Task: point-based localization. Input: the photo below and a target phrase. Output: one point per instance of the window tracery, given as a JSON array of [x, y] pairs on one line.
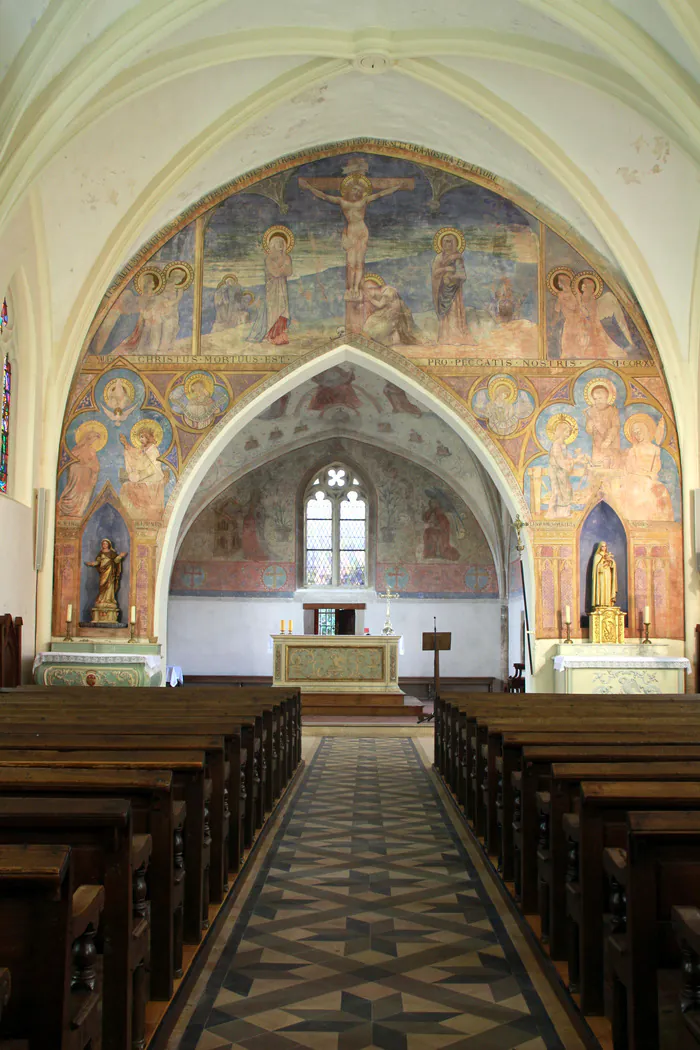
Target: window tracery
[[335, 529]]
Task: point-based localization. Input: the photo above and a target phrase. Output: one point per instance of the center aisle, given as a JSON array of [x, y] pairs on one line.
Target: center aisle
[[369, 925]]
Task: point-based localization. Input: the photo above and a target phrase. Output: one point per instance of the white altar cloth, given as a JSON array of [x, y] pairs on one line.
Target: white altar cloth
[[53, 668], [604, 673]]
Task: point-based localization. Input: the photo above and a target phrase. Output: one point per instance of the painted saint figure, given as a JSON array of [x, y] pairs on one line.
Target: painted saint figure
[[334, 388], [272, 322], [448, 279], [231, 303], [391, 321], [562, 430], [355, 195], [143, 478], [603, 578], [109, 565], [502, 405], [644, 496], [603, 422], [566, 309], [199, 400], [90, 437], [436, 535], [398, 399]]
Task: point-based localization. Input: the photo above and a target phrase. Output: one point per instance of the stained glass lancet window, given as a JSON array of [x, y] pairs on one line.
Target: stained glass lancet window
[[335, 522], [5, 422]]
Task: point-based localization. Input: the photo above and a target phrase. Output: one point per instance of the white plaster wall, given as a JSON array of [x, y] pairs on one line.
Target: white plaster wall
[[515, 654], [18, 580], [230, 635]]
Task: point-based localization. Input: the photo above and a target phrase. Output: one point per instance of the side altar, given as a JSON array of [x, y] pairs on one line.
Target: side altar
[[607, 663], [82, 662], [337, 663], [626, 668]]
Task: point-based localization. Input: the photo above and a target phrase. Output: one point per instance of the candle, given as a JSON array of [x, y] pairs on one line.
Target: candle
[[69, 613], [647, 617], [133, 614], [567, 614], [281, 626], [289, 626]]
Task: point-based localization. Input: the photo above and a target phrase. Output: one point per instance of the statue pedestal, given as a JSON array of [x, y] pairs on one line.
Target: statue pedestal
[[606, 626]]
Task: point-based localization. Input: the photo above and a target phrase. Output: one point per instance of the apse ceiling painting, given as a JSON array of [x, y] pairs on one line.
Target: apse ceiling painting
[[415, 257]]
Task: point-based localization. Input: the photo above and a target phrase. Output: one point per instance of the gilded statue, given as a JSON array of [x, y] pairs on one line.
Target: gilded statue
[[606, 621], [604, 578], [109, 566]]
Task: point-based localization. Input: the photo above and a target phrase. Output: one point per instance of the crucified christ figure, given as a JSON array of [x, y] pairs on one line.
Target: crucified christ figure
[[355, 195]]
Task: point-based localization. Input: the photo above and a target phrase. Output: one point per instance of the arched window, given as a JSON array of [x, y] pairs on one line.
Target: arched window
[[335, 529], [5, 422]]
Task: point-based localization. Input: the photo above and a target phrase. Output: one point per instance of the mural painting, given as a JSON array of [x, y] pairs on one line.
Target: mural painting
[[456, 278], [246, 541]]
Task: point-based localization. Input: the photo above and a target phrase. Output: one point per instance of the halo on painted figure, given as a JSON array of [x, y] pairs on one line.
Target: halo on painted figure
[[451, 231]]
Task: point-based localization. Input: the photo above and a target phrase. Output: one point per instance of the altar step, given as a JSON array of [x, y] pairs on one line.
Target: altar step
[[369, 705]]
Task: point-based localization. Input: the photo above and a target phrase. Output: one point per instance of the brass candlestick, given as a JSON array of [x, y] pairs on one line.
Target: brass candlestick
[[66, 636], [646, 640], [568, 640], [132, 629]]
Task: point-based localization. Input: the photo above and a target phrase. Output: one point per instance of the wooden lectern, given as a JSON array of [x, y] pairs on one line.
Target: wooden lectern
[[434, 641]]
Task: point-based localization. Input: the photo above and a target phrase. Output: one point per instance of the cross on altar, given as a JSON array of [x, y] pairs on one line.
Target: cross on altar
[[390, 597], [355, 192]]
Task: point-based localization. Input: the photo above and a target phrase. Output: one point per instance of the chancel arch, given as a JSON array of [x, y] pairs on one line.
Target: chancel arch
[[473, 305]]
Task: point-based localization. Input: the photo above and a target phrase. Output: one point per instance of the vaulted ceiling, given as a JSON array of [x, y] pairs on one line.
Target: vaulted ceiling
[[114, 116]]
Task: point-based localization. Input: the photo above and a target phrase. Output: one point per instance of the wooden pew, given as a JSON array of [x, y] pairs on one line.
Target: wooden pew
[[242, 743], [56, 997], [660, 868], [561, 798], [686, 927], [189, 784], [104, 851], [155, 812], [525, 763], [601, 822], [75, 738]]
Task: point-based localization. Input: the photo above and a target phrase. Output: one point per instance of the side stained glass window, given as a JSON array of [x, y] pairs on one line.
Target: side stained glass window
[[5, 422], [335, 522]]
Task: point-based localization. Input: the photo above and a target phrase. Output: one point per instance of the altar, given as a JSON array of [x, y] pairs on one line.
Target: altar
[[627, 668], [339, 663]]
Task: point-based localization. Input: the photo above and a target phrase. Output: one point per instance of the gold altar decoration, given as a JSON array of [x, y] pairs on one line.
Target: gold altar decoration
[[341, 663], [606, 621]]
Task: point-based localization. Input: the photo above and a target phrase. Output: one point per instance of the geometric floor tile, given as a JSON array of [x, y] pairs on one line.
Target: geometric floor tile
[[368, 926]]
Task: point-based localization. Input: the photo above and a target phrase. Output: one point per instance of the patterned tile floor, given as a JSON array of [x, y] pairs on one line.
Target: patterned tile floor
[[368, 925]]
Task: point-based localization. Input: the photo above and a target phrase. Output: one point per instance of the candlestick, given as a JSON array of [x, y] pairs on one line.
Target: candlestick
[[281, 626], [289, 626], [66, 636], [646, 640], [132, 631], [568, 640], [567, 614], [69, 613]]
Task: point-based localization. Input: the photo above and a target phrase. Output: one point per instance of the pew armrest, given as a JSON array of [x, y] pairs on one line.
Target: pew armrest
[[615, 864], [686, 926], [544, 801], [141, 846], [88, 902], [516, 779], [571, 825]]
